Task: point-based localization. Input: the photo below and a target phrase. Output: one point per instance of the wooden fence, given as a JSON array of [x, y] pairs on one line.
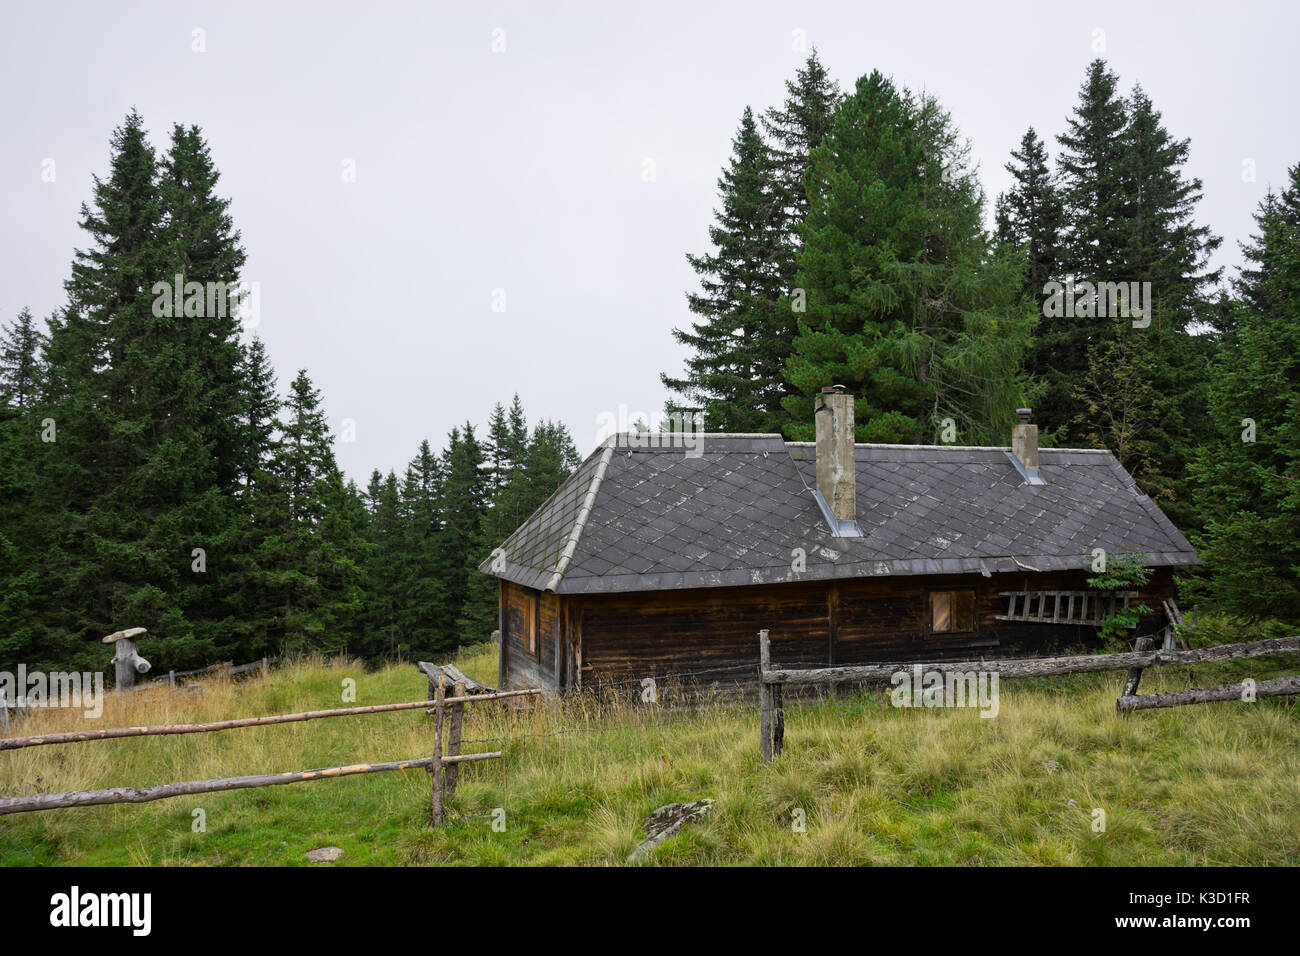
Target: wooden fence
[[773, 680], [226, 669], [443, 767]]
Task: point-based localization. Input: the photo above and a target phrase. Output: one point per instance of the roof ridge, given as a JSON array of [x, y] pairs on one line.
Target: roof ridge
[[865, 444], [583, 513]]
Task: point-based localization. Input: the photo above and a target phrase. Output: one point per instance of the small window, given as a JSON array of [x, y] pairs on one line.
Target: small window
[[952, 612], [530, 625]]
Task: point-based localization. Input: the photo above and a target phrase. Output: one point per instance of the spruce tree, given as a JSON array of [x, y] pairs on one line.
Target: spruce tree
[[425, 613], [308, 553], [907, 303], [1152, 240], [21, 521], [1030, 214], [463, 507], [795, 129], [125, 465], [21, 345], [1245, 478], [1090, 166], [739, 346]]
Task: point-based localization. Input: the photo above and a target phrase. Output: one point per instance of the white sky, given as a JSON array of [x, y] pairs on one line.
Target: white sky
[[522, 170]]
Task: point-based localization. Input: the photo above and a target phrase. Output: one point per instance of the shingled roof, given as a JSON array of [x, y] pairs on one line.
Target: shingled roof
[[643, 515]]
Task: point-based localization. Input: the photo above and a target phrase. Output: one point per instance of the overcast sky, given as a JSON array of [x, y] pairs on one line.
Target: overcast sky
[[523, 170]]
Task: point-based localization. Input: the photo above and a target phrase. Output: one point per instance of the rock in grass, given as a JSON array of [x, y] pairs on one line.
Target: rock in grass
[[668, 821], [324, 854]]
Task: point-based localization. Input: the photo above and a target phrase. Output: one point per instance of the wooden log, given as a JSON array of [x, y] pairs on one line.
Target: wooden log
[[453, 741], [1042, 666], [1134, 675], [1206, 695], [435, 770], [89, 798], [127, 662], [111, 733], [764, 696]]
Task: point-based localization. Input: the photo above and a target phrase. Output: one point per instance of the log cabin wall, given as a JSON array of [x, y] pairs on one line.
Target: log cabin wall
[[529, 660], [632, 635]]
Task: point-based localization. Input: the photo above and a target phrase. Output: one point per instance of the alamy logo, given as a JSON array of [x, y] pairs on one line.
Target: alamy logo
[[656, 430], [213, 300], [1101, 300], [73, 909], [55, 689], [921, 688]]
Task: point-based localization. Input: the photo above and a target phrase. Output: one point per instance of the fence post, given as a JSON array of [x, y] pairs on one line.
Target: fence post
[[778, 719], [764, 696], [266, 666], [435, 768], [1134, 675], [4, 714], [453, 741]]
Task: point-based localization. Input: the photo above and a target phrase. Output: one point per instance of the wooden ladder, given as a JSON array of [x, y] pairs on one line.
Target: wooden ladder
[[1066, 607]]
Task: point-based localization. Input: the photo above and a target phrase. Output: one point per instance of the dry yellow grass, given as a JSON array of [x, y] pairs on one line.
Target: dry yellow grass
[[860, 782]]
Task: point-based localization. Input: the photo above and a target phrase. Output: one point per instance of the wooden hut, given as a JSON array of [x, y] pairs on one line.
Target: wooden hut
[[665, 554]]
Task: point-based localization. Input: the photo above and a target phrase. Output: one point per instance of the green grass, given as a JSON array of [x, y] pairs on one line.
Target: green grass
[[1208, 784]]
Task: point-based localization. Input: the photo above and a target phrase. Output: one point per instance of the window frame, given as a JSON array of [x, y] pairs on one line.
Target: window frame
[[531, 637], [952, 632]]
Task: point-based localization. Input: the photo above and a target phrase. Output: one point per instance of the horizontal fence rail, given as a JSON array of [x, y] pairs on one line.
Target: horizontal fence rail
[[1207, 695], [442, 767], [112, 733], [1040, 666], [772, 681], [90, 798]]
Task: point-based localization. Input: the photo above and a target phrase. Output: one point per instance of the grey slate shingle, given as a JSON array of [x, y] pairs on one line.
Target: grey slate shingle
[[733, 516]]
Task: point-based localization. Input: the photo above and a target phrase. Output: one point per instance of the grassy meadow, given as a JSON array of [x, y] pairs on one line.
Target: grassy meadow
[[1208, 784]]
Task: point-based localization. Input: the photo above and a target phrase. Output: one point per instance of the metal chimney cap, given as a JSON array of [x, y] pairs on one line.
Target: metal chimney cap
[[1023, 414], [832, 389]]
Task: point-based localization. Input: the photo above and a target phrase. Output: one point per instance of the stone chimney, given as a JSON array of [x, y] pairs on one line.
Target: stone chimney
[[1024, 448], [833, 413], [1024, 440]]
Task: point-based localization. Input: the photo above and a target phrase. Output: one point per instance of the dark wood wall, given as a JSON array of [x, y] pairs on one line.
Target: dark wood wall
[[593, 638], [520, 666]]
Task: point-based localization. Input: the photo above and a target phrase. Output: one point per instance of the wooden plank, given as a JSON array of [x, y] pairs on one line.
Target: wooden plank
[[1206, 695], [1044, 666], [90, 798], [454, 675], [832, 620], [764, 696], [502, 677]]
